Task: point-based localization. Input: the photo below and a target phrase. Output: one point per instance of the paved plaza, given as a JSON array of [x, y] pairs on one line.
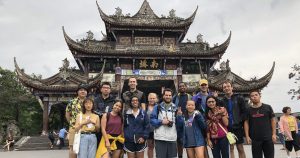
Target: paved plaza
[[64, 153]]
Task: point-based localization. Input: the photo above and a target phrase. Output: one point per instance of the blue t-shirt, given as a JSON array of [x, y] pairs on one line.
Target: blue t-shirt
[[203, 102], [62, 133], [189, 133]]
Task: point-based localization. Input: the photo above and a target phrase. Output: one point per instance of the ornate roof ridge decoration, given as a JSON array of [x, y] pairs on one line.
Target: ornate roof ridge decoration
[[240, 85], [106, 48], [66, 80], [145, 17], [145, 11]]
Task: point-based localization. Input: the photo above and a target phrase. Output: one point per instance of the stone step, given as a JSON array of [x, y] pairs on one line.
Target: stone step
[[41, 148], [36, 143]]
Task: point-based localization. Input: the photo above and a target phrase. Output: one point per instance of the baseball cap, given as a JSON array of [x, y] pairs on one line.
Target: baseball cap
[[203, 81]]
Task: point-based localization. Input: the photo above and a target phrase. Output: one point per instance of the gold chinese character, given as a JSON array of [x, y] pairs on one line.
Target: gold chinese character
[[172, 48], [143, 63], [154, 64]]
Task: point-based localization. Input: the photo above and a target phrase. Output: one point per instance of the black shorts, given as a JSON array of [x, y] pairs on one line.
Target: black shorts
[[239, 133], [132, 147], [293, 143], [119, 145]]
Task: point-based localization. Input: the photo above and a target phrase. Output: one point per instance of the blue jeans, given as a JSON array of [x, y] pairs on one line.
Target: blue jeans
[[88, 145], [281, 138], [220, 147]]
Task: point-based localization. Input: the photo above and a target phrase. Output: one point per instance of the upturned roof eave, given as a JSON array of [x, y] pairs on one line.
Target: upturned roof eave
[[37, 84], [248, 84]]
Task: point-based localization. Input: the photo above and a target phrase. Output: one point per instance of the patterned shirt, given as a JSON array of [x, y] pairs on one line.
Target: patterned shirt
[[74, 107]]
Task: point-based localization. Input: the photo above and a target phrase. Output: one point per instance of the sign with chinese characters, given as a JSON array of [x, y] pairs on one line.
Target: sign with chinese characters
[[150, 72], [148, 64]]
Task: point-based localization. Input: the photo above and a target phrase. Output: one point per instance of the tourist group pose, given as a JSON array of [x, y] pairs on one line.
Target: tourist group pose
[[111, 127]]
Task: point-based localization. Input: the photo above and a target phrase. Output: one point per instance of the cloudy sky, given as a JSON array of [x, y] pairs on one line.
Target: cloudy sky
[[262, 32]]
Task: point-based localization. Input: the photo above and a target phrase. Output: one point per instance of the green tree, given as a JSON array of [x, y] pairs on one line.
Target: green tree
[[295, 75], [17, 103]]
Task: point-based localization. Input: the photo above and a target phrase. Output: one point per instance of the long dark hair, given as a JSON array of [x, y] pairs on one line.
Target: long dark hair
[[208, 108], [120, 113], [84, 102]]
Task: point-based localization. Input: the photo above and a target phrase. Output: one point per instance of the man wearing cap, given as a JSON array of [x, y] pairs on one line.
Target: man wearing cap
[[200, 102], [180, 101], [237, 110], [72, 110], [103, 103], [200, 97], [132, 83]]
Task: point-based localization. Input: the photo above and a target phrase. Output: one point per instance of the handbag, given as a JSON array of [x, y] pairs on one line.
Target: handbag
[[230, 136], [58, 142], [76, 142]]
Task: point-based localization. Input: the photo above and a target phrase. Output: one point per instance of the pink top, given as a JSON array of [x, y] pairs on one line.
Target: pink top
[[284, 126]]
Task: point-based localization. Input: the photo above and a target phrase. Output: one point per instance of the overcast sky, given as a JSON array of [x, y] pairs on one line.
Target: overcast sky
[[262, 32]]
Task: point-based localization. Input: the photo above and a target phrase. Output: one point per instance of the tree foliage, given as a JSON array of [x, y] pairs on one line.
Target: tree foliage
[[295, 75], [16, 103]]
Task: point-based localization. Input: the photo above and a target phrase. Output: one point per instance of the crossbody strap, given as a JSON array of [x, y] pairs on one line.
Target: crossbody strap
[[222, 128]]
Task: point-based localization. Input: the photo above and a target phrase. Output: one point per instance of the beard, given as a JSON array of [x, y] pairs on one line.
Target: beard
[[167, 101]]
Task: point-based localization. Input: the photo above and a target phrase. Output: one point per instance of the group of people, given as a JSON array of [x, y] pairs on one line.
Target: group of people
[[110, 127], [62, 133]]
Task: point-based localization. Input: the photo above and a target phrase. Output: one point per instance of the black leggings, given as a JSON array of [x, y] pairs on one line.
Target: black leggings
[[260, 148]]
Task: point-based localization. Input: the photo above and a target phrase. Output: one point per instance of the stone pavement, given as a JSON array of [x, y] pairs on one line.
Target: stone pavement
[[64, 153]]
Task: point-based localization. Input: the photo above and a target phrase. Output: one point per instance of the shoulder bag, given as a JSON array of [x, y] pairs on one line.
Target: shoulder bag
[[76, 142], [230, 136]]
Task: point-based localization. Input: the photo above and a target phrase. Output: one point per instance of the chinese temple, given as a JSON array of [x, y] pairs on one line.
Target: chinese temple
[[145, 46]]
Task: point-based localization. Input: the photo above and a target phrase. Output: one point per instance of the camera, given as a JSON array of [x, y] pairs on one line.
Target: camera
[[170, 124]]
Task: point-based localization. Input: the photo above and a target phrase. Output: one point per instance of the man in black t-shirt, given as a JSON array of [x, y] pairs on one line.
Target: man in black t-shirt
[[103, 102], [260, 127]]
